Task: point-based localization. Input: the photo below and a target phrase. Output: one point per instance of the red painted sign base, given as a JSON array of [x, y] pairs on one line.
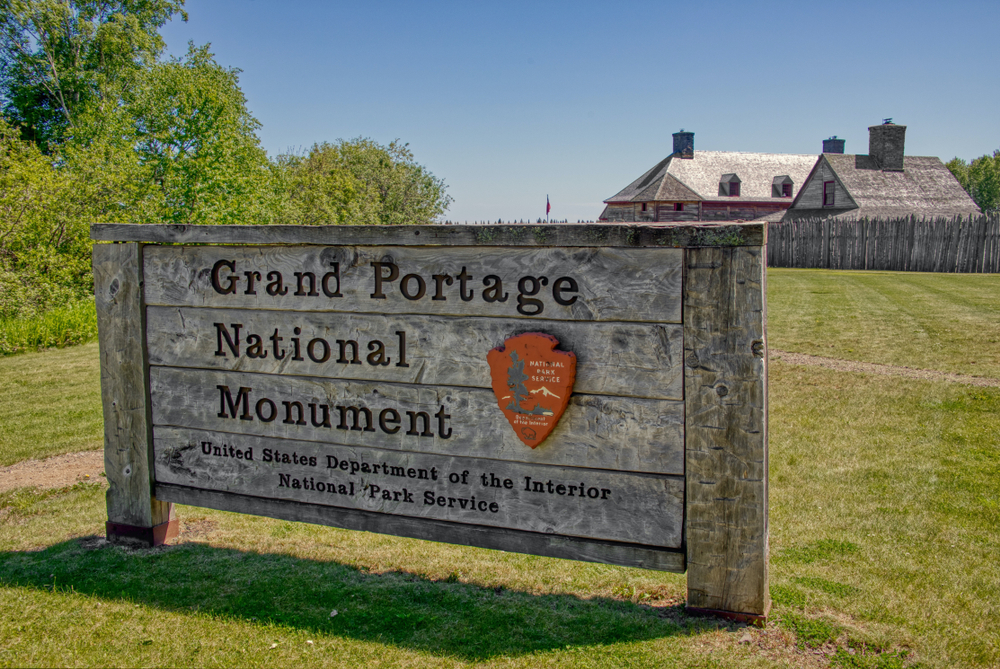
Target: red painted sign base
[[120, 533]]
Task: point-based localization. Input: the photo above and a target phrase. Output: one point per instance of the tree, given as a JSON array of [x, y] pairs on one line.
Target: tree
[[359, 182], [180, 148], [44, 241], [980, 179], [194, 134], [57, 57]]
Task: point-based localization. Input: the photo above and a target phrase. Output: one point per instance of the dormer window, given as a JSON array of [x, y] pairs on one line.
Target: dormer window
[[729, 185], [781, 186]]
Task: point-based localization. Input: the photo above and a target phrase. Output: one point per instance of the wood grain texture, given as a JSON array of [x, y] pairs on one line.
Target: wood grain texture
[[127, 435], [624, 554], [615, 506], [958, 244], [596, 431], [726, 426], [677, 236], [614, 284], [622, 359]]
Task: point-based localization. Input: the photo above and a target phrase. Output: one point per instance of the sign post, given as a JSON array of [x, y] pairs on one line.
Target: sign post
[[585, 392]]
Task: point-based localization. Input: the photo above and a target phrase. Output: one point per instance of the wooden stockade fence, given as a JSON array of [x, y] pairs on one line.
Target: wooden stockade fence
[[366, 378], [966, 245]]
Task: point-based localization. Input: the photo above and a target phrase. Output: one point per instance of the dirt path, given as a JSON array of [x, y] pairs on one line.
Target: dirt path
[[886, 370], [55, 472]]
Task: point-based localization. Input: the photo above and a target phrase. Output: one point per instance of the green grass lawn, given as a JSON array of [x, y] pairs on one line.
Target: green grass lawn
[[948, 322], [50, 403], [885, 507], [884, 515]]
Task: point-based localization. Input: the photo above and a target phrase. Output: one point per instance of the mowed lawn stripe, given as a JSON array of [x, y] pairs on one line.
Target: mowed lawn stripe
[[946, 322], [885, 508], [885, 370]]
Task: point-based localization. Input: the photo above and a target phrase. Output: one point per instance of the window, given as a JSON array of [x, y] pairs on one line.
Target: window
[[781, 186], [828, 198], [729, 186], [678, 206], [644, 206]]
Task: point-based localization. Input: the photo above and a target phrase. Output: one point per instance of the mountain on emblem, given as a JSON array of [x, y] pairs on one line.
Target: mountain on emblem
[[532, 382]]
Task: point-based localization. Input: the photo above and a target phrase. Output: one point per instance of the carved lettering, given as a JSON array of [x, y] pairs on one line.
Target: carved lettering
[[412, 286], [230, 286], [528, 286], [232, 341]]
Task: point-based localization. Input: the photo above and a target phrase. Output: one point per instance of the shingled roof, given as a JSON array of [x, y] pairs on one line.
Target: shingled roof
[[692, 179], [925, 187]]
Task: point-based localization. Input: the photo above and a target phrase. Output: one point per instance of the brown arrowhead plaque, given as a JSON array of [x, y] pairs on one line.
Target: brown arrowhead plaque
[[532, 382]]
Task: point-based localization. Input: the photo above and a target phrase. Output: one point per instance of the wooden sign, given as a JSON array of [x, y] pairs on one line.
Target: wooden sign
[[587, 392]]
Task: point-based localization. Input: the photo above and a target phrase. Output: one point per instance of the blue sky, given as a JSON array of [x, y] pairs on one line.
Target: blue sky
[[510, 101]]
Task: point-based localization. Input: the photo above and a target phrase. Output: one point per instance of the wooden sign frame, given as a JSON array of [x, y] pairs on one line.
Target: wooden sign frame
[[721, 312]]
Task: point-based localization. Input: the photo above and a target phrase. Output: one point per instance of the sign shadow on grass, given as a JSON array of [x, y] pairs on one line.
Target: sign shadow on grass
[[449, 618]]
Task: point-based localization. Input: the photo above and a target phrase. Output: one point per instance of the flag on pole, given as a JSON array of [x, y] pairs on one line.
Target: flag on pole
[[548, 207]]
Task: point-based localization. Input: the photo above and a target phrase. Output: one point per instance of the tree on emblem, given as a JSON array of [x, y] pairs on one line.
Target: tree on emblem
[[515, 381]]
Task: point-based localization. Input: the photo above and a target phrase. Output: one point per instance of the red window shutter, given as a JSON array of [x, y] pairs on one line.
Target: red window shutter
[[734, 189], [786, 190]]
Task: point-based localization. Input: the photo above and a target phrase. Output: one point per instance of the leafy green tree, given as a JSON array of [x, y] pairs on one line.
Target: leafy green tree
[[44, 245], [57, 57], [980, 179], [180, 147], [191, 131], [95, 127], [359, 182]]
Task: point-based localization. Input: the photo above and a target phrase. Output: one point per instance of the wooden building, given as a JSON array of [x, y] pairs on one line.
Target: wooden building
[[711, 186], [886, 183]]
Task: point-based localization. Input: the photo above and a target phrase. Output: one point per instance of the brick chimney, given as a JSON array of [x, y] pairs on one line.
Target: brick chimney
[[885, 145], [833, 145], [684, 144]]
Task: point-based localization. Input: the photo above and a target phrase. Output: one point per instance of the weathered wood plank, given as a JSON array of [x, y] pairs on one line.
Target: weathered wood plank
[[659, 236], [596, 431], [959, 244], [127, 436], [626, 555], [992, 253], [595, 284], [622, 359], [726, 409], [569, 501]]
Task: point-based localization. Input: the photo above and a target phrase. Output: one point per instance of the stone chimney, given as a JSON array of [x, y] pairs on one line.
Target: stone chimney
[[833, 145], [885, 145], [684, 144]]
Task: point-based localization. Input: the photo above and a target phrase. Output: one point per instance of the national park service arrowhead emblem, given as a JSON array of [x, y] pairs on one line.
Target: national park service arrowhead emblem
[[532, 382]]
